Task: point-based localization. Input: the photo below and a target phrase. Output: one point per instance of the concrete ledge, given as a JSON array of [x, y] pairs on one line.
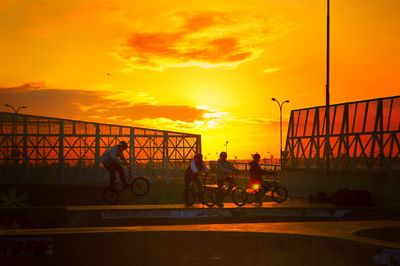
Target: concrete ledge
[[123, 215], [172, 214]]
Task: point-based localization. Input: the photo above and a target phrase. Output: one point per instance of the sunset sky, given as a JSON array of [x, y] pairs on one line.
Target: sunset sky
[[208, 67]]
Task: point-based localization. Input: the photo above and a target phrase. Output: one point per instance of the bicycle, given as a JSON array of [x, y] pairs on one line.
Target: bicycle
[[229, 188], [206, 195], [256, 190], [139, 186]]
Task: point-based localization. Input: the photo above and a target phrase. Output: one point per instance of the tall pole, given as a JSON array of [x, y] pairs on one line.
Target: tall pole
[[280, 127], [327, 111], [280, 116], [15, 152]]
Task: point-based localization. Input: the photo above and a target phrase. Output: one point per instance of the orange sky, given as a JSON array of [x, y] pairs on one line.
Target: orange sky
[[209, 67]]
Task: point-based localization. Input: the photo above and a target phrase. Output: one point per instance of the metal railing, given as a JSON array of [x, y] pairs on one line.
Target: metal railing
[[43, 147], [363, 135]]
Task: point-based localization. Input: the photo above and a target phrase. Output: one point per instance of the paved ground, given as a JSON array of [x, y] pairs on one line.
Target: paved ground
[[339, 229], [193, 236]]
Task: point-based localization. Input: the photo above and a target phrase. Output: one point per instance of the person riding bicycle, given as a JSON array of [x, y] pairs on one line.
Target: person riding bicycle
[[192, 175], [256, 175], [224, 168], [113, 159]]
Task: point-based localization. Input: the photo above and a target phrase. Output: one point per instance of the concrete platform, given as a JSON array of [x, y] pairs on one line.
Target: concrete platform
[[122, 215], [291, 210]]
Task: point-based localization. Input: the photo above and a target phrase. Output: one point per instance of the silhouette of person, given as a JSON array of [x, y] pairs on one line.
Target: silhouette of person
[[224, 168], [256, 174], [192, 175], [113, 159]]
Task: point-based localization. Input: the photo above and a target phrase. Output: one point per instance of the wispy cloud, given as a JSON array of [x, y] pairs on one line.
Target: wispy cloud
[[135, 108], [206, 39], [271, 70]]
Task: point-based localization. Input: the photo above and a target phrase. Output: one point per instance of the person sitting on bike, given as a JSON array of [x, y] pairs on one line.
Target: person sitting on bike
[[192, 175], [224, 168], [256, 174], [113, 159]]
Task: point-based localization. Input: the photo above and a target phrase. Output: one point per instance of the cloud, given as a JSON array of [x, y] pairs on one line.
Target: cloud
[[271, 70], [206, 39], [120, 107]]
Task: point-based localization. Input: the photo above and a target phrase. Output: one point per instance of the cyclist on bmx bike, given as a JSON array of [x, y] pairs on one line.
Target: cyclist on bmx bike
[[224, 169], [192, 175], [261, 187], [113, 159]]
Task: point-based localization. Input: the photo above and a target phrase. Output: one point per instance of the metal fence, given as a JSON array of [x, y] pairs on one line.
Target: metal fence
[[39, 147], [363, 135]]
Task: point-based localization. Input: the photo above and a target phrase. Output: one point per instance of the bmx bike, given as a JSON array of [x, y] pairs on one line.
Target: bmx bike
[[138, 186], [229, 189], [206, 195], [257, 191]]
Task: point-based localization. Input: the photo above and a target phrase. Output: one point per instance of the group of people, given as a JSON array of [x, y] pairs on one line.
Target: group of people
[[113, 160], [223, 173]]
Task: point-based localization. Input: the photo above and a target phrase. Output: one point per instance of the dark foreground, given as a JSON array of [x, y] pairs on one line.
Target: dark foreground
[[286, 243]]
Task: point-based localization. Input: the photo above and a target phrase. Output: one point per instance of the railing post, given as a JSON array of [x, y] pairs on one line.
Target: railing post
[[97, 151], [25, 149], [61, 151], [198, 144], [132, 157], [165, 157]]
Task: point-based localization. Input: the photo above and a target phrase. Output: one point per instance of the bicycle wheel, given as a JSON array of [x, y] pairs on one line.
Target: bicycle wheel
[[140, 186], [239, 196], [279, 194], [110, 195], [209, 196], [250, 195]]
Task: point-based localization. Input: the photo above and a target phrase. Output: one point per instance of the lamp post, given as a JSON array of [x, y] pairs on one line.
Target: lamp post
[[327, 92], [15, 151], [226, 146], [15, 110], [280, 114]]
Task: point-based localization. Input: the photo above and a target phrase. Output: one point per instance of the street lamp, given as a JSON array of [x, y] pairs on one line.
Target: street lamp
[[280, 112], [226, 146], [15, 153], [327, 92], [15, 110]]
